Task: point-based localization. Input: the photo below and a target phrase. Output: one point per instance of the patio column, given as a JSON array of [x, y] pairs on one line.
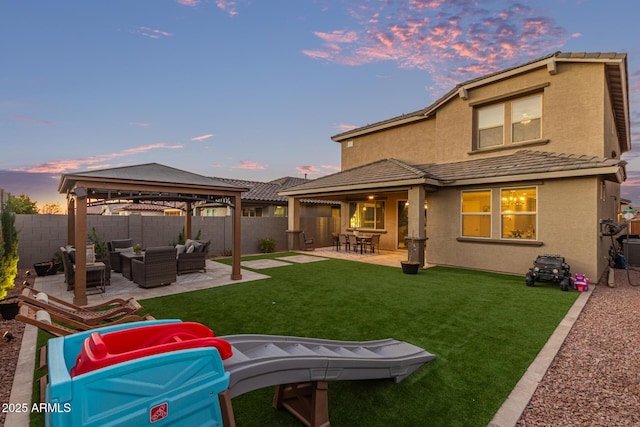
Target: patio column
[[416, 198], [293, 223], [237, 239], [80, 285]]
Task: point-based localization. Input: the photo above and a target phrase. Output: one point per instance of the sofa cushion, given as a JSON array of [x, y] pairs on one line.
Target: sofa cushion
[[125, 250], [197, 247], [180, 249]]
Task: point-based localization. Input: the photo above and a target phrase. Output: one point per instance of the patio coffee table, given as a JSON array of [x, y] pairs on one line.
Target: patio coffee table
[[126, 263]]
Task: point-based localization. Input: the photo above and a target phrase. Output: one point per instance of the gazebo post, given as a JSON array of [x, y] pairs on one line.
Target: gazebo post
[[187, 220], [71, 220], [80, 282], [237, 238]]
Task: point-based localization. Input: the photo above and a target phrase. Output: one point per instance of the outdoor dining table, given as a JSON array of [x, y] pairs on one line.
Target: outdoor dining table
[[362, 240]]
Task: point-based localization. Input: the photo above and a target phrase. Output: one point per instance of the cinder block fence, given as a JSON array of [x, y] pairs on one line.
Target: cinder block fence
[[40, 235]]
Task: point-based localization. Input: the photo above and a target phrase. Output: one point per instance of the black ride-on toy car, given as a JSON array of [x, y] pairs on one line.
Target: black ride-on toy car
[[550, 268]]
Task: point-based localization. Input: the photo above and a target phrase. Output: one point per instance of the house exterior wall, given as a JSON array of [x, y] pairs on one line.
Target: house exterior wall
[[577, 118], [576, 111], [560, 203]]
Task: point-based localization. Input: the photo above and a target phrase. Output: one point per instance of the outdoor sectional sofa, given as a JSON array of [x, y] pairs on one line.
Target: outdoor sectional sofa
[[158, 268], [192, 256], [115, 247]]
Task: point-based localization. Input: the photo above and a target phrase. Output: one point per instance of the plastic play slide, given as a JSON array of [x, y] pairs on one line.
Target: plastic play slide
[[177, 373]]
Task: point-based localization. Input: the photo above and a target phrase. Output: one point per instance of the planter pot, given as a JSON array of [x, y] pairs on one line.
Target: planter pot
[[8, 310], [410, 267], [46, 268]]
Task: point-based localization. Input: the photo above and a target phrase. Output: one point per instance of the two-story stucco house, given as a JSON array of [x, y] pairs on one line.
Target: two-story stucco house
[[521, 162]]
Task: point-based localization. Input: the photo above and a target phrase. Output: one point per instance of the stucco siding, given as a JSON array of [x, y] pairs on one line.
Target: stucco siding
[[564, 206], [573, 121]]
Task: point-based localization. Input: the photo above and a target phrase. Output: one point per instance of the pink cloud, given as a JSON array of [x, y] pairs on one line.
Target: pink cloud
[[191, 3], [139, 124], [93, 162], [307, 170], [245, 164], [337, 36], [202, 137], [227, 6], [31, 121], [454, 44], [153, 33], [343, 127]]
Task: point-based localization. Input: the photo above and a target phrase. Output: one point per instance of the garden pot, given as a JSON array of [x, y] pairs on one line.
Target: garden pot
[[46, 268], [410, 267], [9, 309]]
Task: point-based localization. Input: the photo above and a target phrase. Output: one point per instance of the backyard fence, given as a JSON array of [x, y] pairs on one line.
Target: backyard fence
[[40, 236]]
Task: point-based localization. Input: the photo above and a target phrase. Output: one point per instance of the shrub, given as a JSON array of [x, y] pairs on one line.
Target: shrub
[[9, 251], [267, 245]]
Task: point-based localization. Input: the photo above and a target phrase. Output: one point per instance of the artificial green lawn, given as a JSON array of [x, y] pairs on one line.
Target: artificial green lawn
[[484, 328]]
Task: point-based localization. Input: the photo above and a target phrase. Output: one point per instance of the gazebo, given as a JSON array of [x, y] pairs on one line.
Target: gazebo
[[151, 181]]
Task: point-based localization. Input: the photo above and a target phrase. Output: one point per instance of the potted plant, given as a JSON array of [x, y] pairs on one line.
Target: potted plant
[[9, 308], [46, 268], [410, 266], [137, 248]]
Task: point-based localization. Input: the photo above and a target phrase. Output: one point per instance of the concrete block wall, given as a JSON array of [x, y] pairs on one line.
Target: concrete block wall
[[40, 236]]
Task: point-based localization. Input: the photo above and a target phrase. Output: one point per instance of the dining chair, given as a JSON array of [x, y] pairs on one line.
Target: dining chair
[[344, 241], [374, 243], [354, 242]]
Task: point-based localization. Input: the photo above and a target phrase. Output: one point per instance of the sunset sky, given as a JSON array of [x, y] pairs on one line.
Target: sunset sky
[[254, 89]]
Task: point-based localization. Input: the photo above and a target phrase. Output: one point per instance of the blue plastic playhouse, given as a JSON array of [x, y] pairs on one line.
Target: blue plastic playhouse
[[164, 373]]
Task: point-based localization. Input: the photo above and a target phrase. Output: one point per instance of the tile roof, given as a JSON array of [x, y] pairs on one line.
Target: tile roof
[[268, 191], [523, 164]]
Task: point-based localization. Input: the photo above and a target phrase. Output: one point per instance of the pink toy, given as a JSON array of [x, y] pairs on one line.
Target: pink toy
[[580, 282]]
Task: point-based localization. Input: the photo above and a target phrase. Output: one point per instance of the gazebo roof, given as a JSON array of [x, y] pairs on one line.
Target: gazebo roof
[[150, 181]]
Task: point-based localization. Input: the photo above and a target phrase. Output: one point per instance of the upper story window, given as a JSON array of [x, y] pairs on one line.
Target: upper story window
[[524, 115]]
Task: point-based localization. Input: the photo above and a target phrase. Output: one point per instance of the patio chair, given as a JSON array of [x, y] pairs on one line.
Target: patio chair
[[344, 241], [353, 242], [61, 326], [307, 242], [374, 243], [91, 315], [94, 277], [158, 268], [192, 256], [115, 247]]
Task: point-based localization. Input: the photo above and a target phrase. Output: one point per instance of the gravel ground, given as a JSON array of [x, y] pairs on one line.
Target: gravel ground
[[10, 350], [593, 381], [595, 378]]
